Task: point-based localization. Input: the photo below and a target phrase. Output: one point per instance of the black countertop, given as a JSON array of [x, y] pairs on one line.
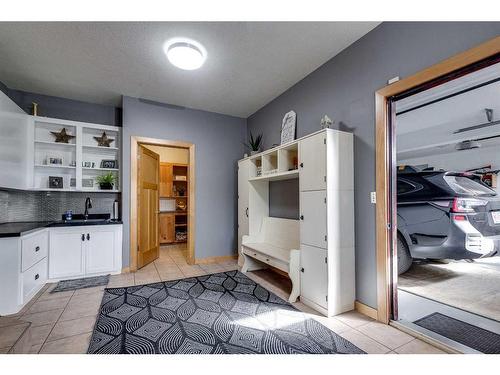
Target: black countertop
[[16, 229]]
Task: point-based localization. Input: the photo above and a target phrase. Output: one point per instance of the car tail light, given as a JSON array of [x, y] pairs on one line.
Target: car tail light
[[465, 205]]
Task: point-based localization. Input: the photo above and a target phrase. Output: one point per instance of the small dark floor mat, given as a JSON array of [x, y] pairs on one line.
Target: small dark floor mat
[[464, 333], [87, 282]]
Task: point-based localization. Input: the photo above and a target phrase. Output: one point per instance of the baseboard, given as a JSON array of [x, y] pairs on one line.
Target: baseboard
[[219, 259], [365, 310]]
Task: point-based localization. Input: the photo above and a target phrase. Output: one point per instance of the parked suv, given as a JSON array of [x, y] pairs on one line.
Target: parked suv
[[445, 215]]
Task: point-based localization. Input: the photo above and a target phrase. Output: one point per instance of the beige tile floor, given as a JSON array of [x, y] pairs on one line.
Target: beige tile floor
[[63, 322]]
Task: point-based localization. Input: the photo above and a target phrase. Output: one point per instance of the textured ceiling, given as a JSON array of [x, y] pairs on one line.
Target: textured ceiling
[[248, 64]]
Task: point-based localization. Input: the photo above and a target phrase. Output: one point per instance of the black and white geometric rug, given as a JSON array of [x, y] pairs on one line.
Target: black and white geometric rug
[[223, 313]]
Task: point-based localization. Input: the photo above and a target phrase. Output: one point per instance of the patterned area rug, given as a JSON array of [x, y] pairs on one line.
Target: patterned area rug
[[223, 313]]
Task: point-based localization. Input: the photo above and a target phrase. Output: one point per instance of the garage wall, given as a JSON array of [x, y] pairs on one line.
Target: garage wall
[[344, 87]]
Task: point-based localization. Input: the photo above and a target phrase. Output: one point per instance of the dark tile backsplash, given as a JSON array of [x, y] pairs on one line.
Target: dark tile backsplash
[[18, 205]]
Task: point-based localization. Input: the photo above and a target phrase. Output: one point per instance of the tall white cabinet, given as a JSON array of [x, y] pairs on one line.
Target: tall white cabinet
[[325, 169], [243, 209]]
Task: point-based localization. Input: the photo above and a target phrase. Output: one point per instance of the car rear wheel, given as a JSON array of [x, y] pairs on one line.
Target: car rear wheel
[[404, 257]]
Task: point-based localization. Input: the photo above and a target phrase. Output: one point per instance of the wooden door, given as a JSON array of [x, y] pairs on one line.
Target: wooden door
[[243, 171], [312, 162], [313, 218], [148, 173], [167, 228], [166, 177]]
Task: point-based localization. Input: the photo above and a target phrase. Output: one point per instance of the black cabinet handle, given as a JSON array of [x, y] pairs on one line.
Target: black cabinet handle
[[302, 270], [37, 276], [246, 212], [88, 237], [83, 237], [301, 165], [37, 249], [301, 217]]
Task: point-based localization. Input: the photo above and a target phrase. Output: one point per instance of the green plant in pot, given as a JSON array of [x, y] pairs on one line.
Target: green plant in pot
[[254, 143], [106, 181]]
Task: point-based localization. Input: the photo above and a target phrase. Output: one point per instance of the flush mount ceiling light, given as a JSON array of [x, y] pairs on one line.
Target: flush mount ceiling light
[[185, 53]]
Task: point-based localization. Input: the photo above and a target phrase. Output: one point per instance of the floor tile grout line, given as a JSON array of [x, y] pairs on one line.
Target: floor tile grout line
[[384, 345], [57, 321]]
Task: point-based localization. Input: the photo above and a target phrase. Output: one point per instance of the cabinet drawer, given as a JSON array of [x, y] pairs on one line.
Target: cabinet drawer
[[34, 278], [34, 248]]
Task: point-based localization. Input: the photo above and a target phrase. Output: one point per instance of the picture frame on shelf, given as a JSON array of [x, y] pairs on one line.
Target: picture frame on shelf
[[87, 183], [56, 182], [52, 160], [72, 182], [109, 164], [88, 164]]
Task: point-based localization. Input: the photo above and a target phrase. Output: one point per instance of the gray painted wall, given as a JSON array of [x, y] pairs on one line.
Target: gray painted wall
[[344, 89], [284, 199], [67, 109], [218, 145]]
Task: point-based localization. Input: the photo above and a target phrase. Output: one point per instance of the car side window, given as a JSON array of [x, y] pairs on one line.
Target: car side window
[[405, 187]]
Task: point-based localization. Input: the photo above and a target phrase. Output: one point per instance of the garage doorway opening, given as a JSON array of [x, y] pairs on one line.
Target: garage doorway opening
[[445, 208], [162, 217]]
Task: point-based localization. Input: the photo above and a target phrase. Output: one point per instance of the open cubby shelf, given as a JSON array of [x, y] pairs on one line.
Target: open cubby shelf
[[276, 164]]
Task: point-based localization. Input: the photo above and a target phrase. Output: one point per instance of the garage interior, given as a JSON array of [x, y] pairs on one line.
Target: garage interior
[[452, 127]]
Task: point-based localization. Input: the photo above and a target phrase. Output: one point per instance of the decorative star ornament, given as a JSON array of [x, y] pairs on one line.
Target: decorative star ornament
[[103, 140], [62, 136]]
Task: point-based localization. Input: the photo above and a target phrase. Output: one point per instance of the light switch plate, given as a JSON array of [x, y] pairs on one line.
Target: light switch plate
[[373, 197], [392, 80]]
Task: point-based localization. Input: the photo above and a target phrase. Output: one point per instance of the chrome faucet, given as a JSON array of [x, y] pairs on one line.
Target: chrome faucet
[[88, 204]]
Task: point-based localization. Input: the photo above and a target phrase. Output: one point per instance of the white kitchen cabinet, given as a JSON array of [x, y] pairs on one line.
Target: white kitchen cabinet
[[23, 269], [312, 166], [85, 251], [16, 145], [314, 276], [243, 174], [67, 246], [100, 251]]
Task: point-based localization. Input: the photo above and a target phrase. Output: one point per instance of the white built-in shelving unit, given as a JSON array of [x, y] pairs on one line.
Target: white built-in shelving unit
[[323, 164], [81, 149]]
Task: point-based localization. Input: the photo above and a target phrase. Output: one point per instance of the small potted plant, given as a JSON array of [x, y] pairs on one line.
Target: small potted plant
[[106, 181], [254, 144]]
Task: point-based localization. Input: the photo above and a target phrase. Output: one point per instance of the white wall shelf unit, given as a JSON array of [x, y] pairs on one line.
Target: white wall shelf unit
[[81, 149], [323, 164], [26, 146]]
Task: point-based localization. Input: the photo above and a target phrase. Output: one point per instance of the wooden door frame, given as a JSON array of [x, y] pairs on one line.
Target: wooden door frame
[[383, 149], [134, 144]]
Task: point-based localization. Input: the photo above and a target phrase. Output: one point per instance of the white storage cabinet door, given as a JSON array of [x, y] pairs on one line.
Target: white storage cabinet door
[[314, 275], [243, 170], [313, 218], [100, 250], [66, 254], [312, 163]]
